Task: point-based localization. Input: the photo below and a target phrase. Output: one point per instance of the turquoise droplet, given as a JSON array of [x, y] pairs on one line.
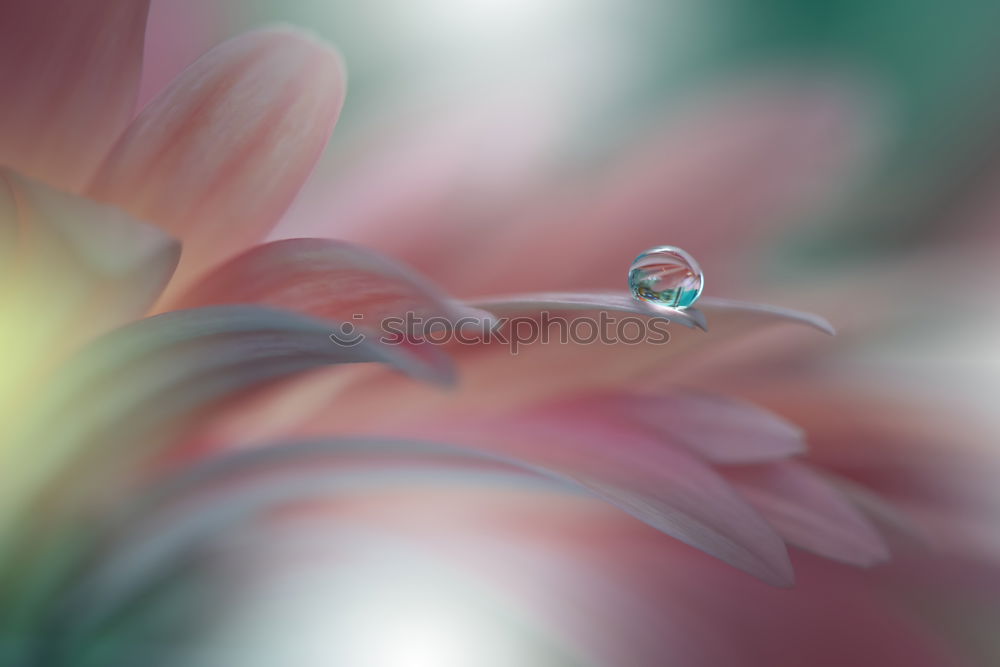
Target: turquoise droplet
[[666, 276]]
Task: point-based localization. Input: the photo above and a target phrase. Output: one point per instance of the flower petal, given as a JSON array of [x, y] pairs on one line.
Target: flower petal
[[719, 429], [741, 313], [879, 510], [734, 312], [326, 278], [809, 513], [498, 375], [130, 391], [69, 72], [76, 268], [218, 157], [663, 486], [181, 514], [608, 301]]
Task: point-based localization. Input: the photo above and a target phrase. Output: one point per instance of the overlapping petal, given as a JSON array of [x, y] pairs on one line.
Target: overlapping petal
[[496, 376], [629, 467], [78, 257], [721, 430], [74, 269], [129, 393], [327, 278], [809, 513], [218, 156]]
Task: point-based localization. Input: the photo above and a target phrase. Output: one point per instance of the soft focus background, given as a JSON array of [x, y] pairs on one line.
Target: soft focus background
[[507, 95], [503, 98], [477, 113]]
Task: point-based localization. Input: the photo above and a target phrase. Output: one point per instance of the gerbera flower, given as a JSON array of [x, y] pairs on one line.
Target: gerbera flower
[[134, 459]]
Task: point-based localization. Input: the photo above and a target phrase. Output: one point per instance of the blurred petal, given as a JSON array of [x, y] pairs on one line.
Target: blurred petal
[[735, 311], [609, 301], [719, 429], [75, 269], [885, 514], [741, 313], [663, 486], [325, 278], [69, 72], [369, 293], [124, 397], [835, 616], [9, 226], [809, 513], [497, 376], [183, 513], [83, 254], [219, 156]]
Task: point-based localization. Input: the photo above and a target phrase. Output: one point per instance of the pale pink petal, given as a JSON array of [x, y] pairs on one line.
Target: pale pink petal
[[808, 512], [835, 616], [732, 313], [326, 278], [69, 72], [219, 156], [496, 377], [607, 301], [619, 462], [719, 429], [882, 512], [663, 486], [367, 292], [737, 314]]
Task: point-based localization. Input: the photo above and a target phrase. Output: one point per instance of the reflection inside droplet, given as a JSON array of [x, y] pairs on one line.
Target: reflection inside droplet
[[666, 276]]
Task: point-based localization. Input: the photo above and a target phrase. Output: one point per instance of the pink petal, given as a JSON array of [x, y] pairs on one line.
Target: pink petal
[[69, 72], [809, 513], [134, 389], [607, 301], [879, 510], [338, 281], [719, 429], [494, 380], [732, 313], [663, 486], [735, 314], [835, 616], [219, 156], [192, 506], [325, 278]]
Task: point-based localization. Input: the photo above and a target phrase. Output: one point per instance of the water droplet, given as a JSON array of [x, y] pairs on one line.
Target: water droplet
[[666, 276]]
